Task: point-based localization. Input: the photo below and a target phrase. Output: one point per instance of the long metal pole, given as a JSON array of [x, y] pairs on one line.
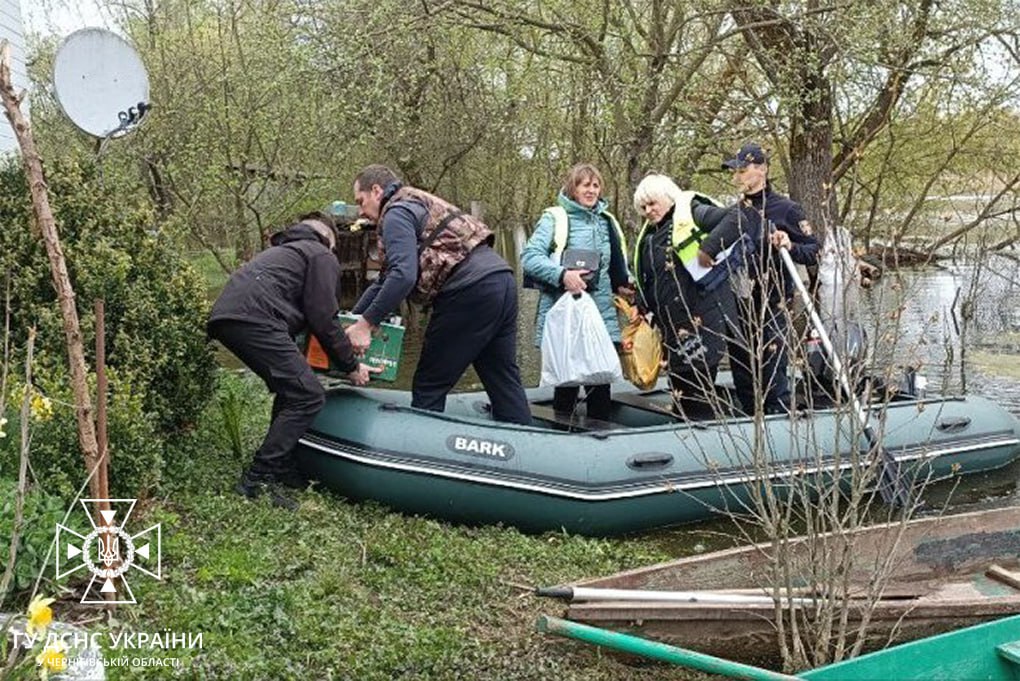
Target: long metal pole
[[891, 484], [657, 651]]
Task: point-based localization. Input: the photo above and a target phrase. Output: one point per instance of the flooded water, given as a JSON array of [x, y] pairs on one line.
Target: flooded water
[[963, 321], [960, 322], [977, 353]]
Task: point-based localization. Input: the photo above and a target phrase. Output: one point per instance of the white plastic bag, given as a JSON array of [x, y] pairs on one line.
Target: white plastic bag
[[576, 347]]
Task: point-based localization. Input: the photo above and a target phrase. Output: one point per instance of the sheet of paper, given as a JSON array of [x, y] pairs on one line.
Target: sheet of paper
[[697, 272]]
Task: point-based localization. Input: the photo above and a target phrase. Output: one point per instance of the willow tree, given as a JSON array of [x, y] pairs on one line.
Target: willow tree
[[656, 80], [427, 102], [838, 74], [246, 130]]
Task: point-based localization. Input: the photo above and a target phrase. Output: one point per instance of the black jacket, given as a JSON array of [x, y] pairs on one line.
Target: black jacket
[[290, 286]]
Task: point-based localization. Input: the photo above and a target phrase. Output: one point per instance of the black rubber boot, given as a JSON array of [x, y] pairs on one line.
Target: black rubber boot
[[252, 485]]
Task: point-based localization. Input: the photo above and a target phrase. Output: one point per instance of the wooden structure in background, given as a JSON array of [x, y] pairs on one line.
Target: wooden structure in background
[[356, 250]]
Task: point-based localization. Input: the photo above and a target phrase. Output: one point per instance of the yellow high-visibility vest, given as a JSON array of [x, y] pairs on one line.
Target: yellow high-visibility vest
[[686, 236]]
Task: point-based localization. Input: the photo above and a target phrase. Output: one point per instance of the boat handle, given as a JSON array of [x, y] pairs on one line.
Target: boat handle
[[953, 424], [643, 462]]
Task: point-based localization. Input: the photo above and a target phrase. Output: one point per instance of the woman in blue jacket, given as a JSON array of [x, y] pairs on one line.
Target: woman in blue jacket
[[580, 219]]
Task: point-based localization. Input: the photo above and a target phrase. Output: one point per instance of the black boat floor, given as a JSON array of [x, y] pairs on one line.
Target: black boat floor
[[573, 421]]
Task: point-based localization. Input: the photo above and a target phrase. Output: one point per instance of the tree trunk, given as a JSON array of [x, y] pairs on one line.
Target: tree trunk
[[811, 157], [61, 280]]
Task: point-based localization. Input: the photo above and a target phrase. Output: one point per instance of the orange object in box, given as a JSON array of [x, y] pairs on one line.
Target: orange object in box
[[384, 350], [316, 356]]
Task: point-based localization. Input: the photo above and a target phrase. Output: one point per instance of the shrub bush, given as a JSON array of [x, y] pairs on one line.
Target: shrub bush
[[161, 367]]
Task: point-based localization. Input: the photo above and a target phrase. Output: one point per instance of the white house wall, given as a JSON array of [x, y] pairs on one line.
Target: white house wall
[[12, 29]]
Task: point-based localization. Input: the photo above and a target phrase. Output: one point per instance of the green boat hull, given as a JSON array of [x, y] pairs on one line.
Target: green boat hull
[[649, 471]]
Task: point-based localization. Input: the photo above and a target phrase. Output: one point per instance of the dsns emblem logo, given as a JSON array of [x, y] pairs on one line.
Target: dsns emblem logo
[[109, 551]]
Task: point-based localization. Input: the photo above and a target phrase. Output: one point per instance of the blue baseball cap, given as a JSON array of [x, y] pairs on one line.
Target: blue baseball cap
[[747, 154]]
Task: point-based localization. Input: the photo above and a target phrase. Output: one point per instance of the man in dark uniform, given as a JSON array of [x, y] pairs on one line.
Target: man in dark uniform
[[285, 289], [437, 255], [758, 352]]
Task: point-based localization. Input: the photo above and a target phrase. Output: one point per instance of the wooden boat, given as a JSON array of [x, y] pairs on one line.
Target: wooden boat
[[984, 652], [642, 468], [939, 580]]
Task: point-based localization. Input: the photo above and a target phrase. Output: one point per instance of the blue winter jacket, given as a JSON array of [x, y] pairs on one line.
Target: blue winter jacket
[[589, 229]]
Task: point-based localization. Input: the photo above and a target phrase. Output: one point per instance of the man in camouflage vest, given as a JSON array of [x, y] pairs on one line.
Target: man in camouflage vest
[[437, 255]]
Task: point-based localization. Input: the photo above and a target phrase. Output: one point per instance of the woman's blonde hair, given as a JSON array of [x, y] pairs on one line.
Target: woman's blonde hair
[[578, 174], [655, 187]]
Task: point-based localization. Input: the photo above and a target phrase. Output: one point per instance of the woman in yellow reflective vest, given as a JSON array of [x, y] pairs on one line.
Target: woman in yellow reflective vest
[[694, 323]]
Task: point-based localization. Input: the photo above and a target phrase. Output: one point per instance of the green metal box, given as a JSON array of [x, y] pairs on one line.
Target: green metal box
[[387, 344]]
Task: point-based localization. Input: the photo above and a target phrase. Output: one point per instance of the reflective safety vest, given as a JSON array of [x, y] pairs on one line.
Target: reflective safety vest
[[686, 237], [561, 227]]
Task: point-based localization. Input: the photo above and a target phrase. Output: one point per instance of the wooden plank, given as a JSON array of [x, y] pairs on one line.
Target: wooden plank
[[1001, 574], [891, 592], [573, 421]]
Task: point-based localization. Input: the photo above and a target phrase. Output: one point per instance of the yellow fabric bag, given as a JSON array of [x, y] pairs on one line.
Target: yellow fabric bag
[[640, 346]]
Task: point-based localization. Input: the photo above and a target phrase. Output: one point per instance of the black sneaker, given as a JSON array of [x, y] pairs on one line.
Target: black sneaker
[[252, 486], [292, 478]]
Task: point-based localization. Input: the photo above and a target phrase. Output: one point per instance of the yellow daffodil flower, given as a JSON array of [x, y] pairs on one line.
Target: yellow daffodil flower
[[53, 658], [42, 407], [39, 615]]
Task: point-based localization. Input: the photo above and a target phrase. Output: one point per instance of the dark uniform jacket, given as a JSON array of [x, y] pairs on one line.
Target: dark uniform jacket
[[757, 216], [290, 286]]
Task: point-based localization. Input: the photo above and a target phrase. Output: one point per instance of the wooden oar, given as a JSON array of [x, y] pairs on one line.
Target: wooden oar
[[576, 594], [895, 592], [894, 492]]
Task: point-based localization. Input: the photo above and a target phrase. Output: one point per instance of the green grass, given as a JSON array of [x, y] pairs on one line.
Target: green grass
[[352, 591], [206, 265]]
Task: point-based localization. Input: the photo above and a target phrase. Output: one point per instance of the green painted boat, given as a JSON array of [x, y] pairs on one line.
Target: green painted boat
[[943, 573], [640, 469], [986, 652]]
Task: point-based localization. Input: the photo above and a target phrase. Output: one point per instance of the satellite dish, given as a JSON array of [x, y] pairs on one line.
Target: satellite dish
[[101, 83]]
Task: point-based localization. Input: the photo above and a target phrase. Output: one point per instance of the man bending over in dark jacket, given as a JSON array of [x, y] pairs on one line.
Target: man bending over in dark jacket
[[285, 289]]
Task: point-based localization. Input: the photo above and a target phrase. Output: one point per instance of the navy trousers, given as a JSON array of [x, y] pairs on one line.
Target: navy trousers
[[298, 396], [759, 352], [475, 325]]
